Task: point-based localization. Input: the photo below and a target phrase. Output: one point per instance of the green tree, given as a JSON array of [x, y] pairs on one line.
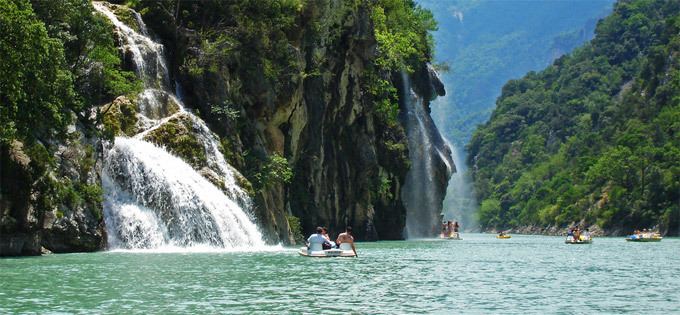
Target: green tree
[[35, 86]]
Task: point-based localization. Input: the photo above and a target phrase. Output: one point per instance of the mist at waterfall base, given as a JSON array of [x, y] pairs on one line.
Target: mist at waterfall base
[[154, 201], [461, 202]]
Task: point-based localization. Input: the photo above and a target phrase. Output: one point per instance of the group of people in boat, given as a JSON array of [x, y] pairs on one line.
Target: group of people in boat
[[645, 233], [575, 234], [450, 228], [321, 237]]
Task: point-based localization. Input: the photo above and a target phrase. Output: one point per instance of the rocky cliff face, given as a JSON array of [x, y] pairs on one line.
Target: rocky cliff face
[[349, 166], [291, 106], [51, 206]]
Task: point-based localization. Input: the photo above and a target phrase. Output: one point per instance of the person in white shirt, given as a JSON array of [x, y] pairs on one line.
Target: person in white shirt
[[586, 235], [316, 238]]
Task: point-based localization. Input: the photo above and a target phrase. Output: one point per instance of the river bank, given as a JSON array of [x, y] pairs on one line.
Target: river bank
[[595, 230]]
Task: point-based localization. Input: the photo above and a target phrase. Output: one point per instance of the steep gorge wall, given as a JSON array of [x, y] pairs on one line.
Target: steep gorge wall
[[292, 106], [592, 140], [349, 165]]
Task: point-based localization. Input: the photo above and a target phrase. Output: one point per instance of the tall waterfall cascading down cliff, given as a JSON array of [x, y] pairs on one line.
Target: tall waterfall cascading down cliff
[[153, 199], [422, 194], [460, 203]]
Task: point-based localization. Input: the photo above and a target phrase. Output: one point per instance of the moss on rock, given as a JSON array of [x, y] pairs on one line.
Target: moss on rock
[[125, 15], [177, 137], [120, 118], [245, 184]]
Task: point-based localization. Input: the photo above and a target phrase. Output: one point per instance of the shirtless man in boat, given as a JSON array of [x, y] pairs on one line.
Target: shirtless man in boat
[[347, 237]]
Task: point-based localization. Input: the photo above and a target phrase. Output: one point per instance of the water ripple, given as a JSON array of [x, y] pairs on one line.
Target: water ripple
[[477, 275]]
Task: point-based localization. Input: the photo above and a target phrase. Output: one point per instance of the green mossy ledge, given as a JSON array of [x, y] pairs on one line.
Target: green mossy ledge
[[120, 118], [177, 135], [126, 16]]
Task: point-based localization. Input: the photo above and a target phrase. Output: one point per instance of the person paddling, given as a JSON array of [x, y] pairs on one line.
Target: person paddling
[[346, 238]]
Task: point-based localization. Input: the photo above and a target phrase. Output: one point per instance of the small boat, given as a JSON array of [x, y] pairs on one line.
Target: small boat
[[316, 250], [644, 238], [572, 240], [452, 236], [504, 236]]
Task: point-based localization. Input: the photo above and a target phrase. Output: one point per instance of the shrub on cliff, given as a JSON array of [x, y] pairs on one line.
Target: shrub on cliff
[[36, 88], [402, 32]]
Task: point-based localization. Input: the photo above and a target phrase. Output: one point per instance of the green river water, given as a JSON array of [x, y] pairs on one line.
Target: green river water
[[480, 274]]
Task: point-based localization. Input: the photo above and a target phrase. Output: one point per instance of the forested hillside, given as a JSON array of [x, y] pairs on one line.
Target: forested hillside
[[593, 139], [486, 43]]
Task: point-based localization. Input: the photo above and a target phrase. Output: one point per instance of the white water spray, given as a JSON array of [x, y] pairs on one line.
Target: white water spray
[[460, 203], [154, 199], [176, 205]]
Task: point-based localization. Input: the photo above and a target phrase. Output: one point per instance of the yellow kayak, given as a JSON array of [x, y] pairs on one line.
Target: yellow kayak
[[503, 236]]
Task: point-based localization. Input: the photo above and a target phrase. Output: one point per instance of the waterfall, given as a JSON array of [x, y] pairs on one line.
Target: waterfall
[[460, 203], [153, 199], [429, 154], [176, 204]]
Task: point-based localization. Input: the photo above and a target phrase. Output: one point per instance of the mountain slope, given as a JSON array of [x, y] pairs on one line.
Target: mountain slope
[[486, 43], [594, 137]]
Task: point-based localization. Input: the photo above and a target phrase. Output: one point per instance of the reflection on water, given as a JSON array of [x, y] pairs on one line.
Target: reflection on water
[[479, 274]]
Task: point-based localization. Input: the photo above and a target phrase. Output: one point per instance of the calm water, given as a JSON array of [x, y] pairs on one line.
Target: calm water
[[480, 274]]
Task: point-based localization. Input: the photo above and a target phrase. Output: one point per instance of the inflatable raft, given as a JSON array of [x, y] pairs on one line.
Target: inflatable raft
[[506, 236], [572, 240], [316, 250], [638, 238], [452, 236]]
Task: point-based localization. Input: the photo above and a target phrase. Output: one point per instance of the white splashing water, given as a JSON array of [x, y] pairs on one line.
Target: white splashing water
[[174, 204], [215, 159], [147, 55], [154, 200], [422, 204], [460, 203]]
